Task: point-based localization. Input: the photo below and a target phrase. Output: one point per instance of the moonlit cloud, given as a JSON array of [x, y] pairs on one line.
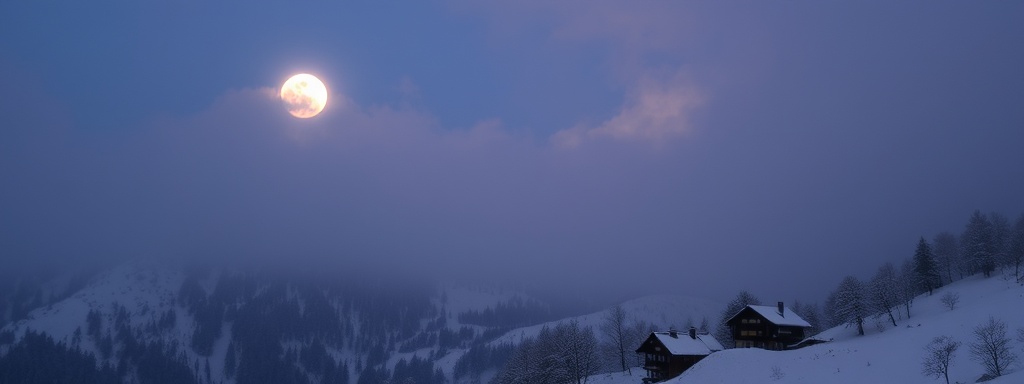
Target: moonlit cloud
[[645, 44], [655, 111]]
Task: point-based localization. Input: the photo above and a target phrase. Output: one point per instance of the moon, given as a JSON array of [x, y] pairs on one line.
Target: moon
[[304, 95]]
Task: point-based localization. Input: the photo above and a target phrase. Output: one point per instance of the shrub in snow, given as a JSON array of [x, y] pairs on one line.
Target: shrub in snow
[[950, 300], [777, 373], [939, 356], [991, 347], [879, 324]]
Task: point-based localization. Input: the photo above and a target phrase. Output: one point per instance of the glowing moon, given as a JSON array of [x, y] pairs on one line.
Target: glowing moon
[[304, 95]]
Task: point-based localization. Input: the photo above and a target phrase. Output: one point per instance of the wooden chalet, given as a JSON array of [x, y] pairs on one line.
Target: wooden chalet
[[668, 354], [763, 326]]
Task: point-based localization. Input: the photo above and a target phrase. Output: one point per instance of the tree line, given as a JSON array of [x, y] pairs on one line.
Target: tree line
[[987, 243]]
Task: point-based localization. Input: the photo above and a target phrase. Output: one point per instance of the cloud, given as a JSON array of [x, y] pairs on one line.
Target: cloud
[[644, 42], [377, 187], [654, 111]]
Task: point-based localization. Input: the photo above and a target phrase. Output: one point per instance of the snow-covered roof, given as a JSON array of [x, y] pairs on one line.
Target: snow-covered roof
[[771, 313], [682, 344]]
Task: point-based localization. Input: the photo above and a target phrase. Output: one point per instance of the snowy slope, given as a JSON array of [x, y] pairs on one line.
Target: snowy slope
[[884, 355], [140, 290], [661, 311]]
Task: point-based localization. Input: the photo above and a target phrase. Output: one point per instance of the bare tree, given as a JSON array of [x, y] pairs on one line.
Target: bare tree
[[884, 291], [991, 347], [950, 300], [939, 356], [619, 338], [908, 285]]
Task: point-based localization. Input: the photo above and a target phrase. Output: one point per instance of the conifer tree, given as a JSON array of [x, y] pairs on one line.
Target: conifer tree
[[1001, 230], [977, 245], [1015, 249], [945, 249], [925, 268], [742, 300]]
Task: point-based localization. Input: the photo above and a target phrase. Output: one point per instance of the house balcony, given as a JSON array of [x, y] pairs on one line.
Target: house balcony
[[655, 366]]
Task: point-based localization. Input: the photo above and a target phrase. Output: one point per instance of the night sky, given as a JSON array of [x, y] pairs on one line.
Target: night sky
[[613, 147]]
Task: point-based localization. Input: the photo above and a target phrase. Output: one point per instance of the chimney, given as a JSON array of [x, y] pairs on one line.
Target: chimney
[[782, 310], [693, 333], [673, 333]]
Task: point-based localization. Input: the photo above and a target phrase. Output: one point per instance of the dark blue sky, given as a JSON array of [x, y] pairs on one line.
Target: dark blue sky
[[632, 146]]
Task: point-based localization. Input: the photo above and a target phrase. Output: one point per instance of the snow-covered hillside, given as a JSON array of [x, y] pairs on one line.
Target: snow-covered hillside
[[661, 311], [140, 290], [146, 294], [885, 354], [194, 313]]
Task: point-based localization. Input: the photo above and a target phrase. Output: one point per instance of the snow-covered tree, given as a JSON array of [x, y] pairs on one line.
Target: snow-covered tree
[[1000, 238], [947, 260], [849, 302], [566, 353], [579, 349], [535, 360], [925, 268], [884, 291], [939, 356], [723, 333], [810, 313], [977, 245], [991, 347], [1015, 248]]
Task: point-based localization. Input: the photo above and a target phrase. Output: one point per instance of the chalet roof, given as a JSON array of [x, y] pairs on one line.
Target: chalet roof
[[682, 344], [771, 313]]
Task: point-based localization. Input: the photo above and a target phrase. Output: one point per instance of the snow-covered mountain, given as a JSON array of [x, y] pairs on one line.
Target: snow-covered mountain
[[215, 325], [144, 293]]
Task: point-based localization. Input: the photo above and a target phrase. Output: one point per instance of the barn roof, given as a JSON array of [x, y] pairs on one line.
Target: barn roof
[[771, 313], [682, 344]]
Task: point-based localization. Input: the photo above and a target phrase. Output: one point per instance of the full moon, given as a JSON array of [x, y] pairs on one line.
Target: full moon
[[304, 95]]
